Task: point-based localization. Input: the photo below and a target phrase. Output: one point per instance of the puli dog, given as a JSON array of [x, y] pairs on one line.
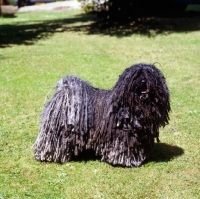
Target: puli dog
[[119, 125]]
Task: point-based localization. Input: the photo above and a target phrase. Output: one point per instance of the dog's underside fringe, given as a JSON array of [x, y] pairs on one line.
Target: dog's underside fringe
[[119, 125]]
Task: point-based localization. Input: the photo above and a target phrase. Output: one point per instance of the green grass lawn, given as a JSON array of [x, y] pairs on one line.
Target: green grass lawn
[[37, 49]]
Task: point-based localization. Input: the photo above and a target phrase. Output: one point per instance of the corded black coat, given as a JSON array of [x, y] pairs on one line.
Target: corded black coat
[[119, 125]]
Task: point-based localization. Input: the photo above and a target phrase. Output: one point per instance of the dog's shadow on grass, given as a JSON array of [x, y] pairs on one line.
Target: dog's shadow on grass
[[162, 153], [85, 156]]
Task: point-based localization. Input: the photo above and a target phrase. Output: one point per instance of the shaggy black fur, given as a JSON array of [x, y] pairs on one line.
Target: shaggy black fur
[[120, 125]]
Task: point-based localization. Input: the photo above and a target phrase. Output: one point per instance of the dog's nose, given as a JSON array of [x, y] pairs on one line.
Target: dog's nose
[[143, 86], [143, 81]]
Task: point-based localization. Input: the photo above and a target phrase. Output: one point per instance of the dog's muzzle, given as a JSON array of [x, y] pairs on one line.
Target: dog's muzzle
[[144, 92]]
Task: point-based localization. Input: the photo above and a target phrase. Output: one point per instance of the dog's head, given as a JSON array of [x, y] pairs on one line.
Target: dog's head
[[144, 86], [145, 81]]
